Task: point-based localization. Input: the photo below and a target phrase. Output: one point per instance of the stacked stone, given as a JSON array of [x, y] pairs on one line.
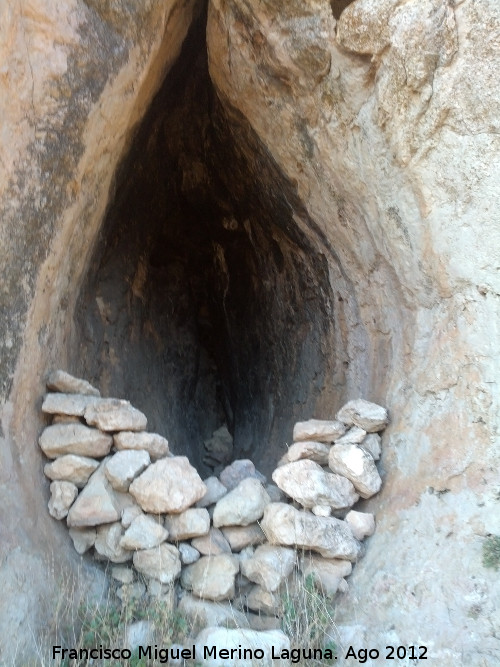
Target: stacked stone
[[232, 542]]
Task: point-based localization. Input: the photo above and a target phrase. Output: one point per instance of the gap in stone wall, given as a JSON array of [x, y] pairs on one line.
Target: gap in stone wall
[[205, 304]]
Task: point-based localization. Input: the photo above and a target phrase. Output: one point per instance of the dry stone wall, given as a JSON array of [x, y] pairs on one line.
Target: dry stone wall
[[235, 539]]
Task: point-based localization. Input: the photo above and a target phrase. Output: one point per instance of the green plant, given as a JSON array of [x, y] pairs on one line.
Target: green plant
[[491, 552], [307, 619]]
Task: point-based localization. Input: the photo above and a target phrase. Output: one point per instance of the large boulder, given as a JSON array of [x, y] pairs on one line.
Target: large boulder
[[168, 486], [243, 505], [74, 438], [332, 538], [308, 484]]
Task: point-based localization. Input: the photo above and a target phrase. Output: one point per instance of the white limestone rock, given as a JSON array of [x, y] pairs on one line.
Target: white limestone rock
[[212, 544], [73, 438], [212, 577], [188, 553], [321, 510], [266, 602], [143, 533], [96, 504], [205, 612], [269, 566], [331, 537], [362, 524], [71, 468], [170, 485], [243, 505], [239, 470], [353, 436], [83, 538], [327, 574], [73, 405], [307, 483], [128, 514], [156, 445], [114, 414], [215, 491], [62, 496], [64, 382], [108, 545], [368, 416], [240, 537], [162, 563], [373, 445], [307, 449], [192, 522], [123, 467], [358, 466], [319, 430]]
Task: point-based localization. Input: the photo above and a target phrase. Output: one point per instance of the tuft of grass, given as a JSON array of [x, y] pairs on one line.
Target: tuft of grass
[[307, 618], [491, 552]]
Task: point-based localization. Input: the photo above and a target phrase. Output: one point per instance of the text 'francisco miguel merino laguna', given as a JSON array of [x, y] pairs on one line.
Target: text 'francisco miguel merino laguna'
[[163, 655]]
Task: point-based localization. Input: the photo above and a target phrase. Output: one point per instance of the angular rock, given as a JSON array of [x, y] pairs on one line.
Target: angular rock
[[168, 486], [332, 538], [83, 538], [62, 496], [240, 537], [368, 416], [59, 439], [269, 566], [107, 543], [205, 612], [353, 436], [219, 447], [358, 466], [212, 544], [123, 467], [267, 602], [212, 577], [143, 533], [215, 491], [156, 445], [308, 484], [267, 641], [162, 563], [190, 523], [114, 414], [319, 430], [125, 575], [362, 524], [188, 553], [307, 449], [68, 384], [128, 514], [372, 445], [96, 504], [239, 470], [327, 574], [71, 468], [243, 505], [73, 405], [321, 510]]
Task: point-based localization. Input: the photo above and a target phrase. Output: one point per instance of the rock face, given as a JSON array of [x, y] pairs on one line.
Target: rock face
[[356, 257]]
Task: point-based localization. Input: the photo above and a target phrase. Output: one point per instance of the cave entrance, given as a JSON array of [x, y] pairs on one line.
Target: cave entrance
[[204, 304]]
